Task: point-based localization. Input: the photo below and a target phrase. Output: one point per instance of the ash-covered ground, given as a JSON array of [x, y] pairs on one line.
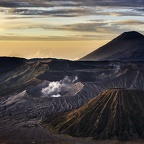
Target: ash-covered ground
[[32, 90]]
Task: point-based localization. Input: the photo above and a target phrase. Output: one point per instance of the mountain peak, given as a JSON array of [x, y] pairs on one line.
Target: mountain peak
[[131, 35], [129, 46]]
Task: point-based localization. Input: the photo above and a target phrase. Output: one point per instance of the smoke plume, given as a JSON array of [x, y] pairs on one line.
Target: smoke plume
[[54, 89]]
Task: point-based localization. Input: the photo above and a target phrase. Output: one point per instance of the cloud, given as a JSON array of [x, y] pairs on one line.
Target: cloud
[[14, 17], [52, 20], [92, 26], [49, 12], [63, 12], [129, 22], [73, 8], [70, 3], [90, 30], [8, 4], [71, 11], [53, 38]]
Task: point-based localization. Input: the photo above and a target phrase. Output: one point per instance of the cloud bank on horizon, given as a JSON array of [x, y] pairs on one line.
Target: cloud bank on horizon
[[69, 20]]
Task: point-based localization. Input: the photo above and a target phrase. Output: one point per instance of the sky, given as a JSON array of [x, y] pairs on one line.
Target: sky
[[65, 29]]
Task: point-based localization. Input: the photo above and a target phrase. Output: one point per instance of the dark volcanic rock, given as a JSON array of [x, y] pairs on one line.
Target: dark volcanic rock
[[21, 97], [131, 78], [19, 78], [114, 114], [8, 63], [131, 36], [129, 46]]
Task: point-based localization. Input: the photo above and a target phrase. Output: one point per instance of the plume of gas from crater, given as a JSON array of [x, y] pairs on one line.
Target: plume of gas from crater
[[55, 88]]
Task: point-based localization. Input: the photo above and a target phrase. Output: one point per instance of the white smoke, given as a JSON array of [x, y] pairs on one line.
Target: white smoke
[[58, 95], [68, 80], [116, 67], [54, 88], [75, 79]]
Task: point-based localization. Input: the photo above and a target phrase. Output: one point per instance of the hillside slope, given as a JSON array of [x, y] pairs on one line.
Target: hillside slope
[[114, 114]]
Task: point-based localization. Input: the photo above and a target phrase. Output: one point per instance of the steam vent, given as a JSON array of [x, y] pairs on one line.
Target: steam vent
[[113, 114]]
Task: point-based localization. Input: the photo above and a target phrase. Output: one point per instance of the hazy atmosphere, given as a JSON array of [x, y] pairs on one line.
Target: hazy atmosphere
[[64, 29]]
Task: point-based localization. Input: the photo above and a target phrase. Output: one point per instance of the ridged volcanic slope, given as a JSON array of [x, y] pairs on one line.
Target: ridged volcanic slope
[[114, 114], [129, 46]]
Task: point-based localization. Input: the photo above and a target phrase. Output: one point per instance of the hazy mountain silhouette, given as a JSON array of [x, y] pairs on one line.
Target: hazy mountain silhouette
[[113, 114], [129, 46]]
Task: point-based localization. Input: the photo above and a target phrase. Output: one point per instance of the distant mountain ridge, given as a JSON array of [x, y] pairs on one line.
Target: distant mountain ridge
[[129, 46], [7, 63]]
